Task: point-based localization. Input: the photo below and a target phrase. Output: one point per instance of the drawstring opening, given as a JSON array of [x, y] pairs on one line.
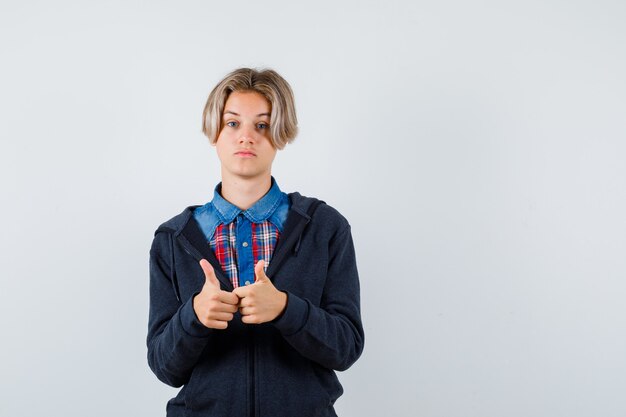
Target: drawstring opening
[[297, 247]]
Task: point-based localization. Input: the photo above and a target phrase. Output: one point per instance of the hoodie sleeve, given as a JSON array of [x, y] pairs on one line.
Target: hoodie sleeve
[[176, 338], [331, 334]]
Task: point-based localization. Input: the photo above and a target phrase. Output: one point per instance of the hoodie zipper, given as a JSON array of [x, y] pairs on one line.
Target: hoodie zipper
[[251, 372]]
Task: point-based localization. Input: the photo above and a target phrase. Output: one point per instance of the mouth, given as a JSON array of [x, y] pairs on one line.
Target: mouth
[[245, 154]]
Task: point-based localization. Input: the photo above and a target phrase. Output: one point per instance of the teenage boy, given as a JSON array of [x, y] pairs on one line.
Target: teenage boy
[[254, 296]]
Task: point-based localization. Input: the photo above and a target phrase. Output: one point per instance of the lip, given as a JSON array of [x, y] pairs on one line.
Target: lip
[[245, 154]]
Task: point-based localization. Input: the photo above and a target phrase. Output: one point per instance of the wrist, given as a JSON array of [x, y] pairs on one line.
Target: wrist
[[284, 299]]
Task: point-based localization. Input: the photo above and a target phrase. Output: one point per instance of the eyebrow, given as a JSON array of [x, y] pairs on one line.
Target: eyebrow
[[237, 114]]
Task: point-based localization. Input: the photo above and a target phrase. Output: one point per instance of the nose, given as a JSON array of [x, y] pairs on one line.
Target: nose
[[247, 136]]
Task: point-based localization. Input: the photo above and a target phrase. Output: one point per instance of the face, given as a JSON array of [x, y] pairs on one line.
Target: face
[[243, 145]]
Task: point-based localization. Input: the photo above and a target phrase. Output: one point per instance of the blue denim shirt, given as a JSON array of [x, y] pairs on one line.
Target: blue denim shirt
[[273, 206]]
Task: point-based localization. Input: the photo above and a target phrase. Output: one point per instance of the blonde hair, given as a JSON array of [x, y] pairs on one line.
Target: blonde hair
[[268, 83]]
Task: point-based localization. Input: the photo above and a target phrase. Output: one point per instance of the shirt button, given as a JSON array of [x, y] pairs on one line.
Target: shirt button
[[247, 283], [244, 244]]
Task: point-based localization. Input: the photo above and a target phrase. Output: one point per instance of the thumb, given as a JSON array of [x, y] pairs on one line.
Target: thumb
[[209, 274], [259, 272]]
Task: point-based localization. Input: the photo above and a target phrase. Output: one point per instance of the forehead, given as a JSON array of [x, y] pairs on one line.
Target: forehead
[[247, 103]]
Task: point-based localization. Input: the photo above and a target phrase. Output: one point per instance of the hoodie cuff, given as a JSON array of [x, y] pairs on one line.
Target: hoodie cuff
[[295, 315], [189, 320]]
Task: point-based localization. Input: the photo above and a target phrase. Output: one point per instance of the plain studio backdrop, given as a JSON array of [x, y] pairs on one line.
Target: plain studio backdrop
[[476, 147]]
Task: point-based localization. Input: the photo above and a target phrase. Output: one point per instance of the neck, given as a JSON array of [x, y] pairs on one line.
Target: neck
[[243, 193]]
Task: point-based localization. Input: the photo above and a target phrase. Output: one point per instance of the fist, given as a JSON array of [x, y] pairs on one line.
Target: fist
[[214, 307], [260, 302]]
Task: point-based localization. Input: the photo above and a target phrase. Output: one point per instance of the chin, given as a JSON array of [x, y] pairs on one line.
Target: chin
[[249, 174]]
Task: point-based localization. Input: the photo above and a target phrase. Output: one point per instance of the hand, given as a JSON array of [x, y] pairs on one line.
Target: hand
[[214, 307], [260, 302]]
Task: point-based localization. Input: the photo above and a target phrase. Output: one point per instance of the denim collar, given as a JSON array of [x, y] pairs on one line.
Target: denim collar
[[260, 211]]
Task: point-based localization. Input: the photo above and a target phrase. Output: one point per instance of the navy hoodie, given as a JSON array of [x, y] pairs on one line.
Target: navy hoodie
[[282, 368]]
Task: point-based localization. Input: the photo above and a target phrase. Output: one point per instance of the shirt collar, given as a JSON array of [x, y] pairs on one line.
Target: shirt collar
[[260, 211]]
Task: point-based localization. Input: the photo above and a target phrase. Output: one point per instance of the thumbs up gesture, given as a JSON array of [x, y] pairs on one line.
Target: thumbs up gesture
[[260, 302], [214, 307]]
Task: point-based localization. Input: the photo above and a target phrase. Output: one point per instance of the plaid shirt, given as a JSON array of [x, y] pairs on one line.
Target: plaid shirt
[[224, 245], [241, 238]]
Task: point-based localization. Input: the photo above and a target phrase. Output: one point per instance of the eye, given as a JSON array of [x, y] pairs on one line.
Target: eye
[[263, 126], [231, 124]]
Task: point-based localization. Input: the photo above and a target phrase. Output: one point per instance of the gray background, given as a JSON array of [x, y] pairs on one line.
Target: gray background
[[477, 149]]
